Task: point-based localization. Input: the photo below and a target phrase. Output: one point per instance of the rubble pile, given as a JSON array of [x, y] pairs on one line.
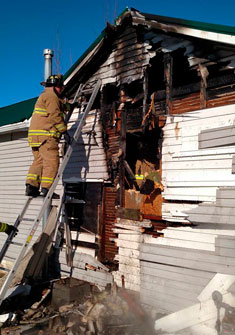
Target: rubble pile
[[111, 311]]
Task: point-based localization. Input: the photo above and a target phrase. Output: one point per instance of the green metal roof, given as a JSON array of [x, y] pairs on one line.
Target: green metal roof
[[23, 110], [17, 112], [216, 28]]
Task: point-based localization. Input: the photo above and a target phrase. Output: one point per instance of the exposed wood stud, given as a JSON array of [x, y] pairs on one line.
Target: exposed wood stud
[[203, 73], [122, 158], [145, 90], [131, 174], [168, 67]]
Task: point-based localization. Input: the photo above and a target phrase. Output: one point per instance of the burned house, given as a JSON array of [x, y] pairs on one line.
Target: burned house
[[151, 179]]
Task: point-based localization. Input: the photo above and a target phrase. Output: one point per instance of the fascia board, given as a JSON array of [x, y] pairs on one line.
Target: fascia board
[[206, 35]]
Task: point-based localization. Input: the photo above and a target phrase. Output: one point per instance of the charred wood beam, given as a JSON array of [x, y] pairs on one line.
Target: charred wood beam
[[122, 158], [216, 82], [203, 73], [131, 174], [168, 66], [145, 91]]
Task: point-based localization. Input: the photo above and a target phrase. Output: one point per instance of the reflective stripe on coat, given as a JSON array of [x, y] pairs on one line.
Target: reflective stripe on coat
[[47, 119]]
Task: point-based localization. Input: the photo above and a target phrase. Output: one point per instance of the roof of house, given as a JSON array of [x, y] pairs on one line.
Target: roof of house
[[23, 110], [17, 112]]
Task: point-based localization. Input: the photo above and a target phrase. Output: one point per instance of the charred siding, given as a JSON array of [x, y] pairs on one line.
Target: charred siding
[[126, 61], [109, 249]]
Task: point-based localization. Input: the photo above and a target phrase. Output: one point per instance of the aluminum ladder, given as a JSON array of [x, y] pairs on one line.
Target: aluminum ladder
[[49, 195]]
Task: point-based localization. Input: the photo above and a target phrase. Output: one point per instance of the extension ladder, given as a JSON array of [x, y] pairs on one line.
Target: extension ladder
[[49, 195]]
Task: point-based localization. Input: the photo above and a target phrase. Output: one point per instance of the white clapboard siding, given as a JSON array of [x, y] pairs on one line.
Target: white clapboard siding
[[190, 258], [94, 277], [163, 300], [233, 165], [15, 159], [184, 243], [88, 160], [225, 246], [123, 251], [186, 275], [216, 137], [193, 174]]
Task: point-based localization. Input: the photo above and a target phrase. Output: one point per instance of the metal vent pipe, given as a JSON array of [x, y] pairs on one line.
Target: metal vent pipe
[[48, 54]]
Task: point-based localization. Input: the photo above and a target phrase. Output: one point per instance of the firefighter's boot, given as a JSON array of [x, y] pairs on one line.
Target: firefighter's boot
[[44, 192], [31, 191]]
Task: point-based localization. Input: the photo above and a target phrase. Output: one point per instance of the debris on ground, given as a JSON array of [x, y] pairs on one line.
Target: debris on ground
[[61, 310]]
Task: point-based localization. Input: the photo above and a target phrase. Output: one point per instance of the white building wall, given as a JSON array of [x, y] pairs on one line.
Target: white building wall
[[190, 173]]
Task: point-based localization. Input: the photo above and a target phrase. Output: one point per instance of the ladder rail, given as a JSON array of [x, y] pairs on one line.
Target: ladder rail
[[16, 224], [49, 195], [79, 90]]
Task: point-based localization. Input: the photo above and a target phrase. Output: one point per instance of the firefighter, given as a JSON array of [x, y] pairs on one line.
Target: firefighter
[[46, 127], [7, 228]]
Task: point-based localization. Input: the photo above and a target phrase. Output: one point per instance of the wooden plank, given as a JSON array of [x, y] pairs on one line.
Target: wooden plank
[[199, 163], [130, 228], [132, 238], [225, 242], [131, 278], [219, 282], [177, 269], [173, 284], [133, 223], [217, 142], [171, 292], [134, 270], [161, 306], [203, 229], [184, 253], [191, 316], [189, 263], [124, 232], [127, 260], [215, 133], [178, 302], [132, 245], [85, 237], [215, 219], [230, 252], [225, 193], [198, 175], [192, 235], [184, 275], [174, 242], [211, 209], [128, 252]]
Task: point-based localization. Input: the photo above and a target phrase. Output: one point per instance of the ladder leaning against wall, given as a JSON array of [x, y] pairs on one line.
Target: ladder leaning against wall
[[46, 203]]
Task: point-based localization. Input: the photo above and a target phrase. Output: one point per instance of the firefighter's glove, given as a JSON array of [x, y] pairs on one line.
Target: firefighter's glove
[[67, 138], [10, 229], [74, 105], [70, 106]]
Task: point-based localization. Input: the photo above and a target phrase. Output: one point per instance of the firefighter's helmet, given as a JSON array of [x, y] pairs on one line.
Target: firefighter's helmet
[[54, 80]]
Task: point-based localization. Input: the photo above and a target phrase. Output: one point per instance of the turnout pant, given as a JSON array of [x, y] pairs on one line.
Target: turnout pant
[[45, 164]]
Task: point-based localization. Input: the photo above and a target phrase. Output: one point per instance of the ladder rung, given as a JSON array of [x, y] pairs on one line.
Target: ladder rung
[[15, 243], [4, 269], [74, 201], [87, 91], [27, 219]]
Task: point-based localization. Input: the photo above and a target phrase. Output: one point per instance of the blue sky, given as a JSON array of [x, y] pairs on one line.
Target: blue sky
[[69, 27]]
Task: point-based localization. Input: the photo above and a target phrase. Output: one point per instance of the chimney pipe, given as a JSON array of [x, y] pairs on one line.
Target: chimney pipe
[[48, 54]]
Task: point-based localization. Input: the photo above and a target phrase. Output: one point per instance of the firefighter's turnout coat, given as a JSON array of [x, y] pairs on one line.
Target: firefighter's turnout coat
[[46, 126]]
